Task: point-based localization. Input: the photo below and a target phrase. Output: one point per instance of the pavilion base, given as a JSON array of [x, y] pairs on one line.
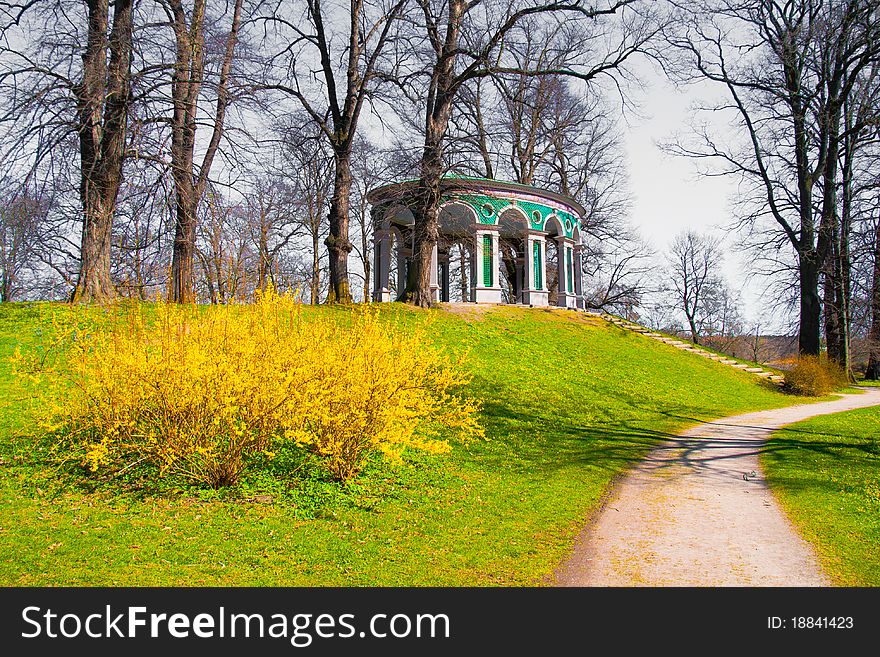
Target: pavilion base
[[383, 296], [487, 295], [536, 298], [566, 300]]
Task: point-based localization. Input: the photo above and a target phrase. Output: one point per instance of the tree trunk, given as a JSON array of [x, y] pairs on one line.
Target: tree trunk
[[810, 306], [337, 242], [872, 372], [186, 86], [835, 332], [439, 109], [103, 99], [368, 270], [426, 228], [265, 262], [695, 335], [830, 307], [315, 282], [94, 274], [844, 273], [418, 290], [182, 280]]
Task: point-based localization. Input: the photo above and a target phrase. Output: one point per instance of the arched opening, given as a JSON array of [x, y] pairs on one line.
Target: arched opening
[[513, 229], [457, 257], [553, 229], [455, 252], [397, 267]]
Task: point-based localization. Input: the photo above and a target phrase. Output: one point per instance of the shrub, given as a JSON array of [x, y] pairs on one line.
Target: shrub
[[196, 391], [380, 389], [814, 376]]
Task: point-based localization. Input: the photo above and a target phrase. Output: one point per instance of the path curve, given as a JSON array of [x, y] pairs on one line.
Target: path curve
[[686, 516]]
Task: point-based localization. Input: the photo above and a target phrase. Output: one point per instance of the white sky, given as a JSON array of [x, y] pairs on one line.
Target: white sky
[[670, 196]]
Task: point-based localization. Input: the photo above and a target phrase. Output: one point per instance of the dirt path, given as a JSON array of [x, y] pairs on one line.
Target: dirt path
[[686, 516]]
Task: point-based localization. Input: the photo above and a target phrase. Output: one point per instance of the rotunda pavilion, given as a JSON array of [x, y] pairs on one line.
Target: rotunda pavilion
[[502, 242]]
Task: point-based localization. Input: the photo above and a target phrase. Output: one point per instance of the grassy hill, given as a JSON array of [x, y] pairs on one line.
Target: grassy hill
[[569, 401]]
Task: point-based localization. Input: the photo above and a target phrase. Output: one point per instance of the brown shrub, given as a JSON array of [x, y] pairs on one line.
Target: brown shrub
[[814, 376]]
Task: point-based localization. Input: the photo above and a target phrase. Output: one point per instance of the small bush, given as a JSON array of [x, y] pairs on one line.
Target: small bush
[[814, 376], [197, 391]]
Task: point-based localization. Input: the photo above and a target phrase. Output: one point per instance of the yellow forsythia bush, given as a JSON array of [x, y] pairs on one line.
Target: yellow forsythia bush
[[814, 376], [196, 390]]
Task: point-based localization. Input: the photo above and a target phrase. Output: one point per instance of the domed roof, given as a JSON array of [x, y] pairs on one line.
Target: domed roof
[[452, 184]]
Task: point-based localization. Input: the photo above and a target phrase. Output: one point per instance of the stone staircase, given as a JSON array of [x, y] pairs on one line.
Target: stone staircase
[[773, 377]]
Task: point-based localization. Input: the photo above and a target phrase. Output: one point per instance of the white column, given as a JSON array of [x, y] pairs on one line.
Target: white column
[[565, 259], [496, 264], [579, 276], [472, 261], [535, 292], [435, 284], [486, 291]]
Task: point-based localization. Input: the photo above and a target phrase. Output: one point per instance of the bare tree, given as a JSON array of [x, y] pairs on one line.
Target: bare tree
[[308, 168], [271, 207], [334, 95], [464, 42], [693, 262], [20, 217], [620, 271], [787, 69], [51, 95], [186, 86], [103, 98], [371, 168], [142, 237], [860, 115], [872, 371]]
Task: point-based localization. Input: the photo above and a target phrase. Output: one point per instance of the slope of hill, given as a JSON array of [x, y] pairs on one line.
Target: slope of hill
[[569, 401]]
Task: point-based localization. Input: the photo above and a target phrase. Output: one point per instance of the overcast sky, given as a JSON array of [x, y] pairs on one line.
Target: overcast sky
[[670, 196]]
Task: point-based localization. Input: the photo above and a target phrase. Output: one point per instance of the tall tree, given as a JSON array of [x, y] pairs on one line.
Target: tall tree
[[186, 86], [223, 248], [65, 70], [312, 42], [847, 47], [272, 223], [102, 99], [872, 371], [787, 69], [20, 216], [466, 41], [307, 167]]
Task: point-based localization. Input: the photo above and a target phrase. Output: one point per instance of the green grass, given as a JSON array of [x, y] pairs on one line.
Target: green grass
[[826, 473], [569, 402]]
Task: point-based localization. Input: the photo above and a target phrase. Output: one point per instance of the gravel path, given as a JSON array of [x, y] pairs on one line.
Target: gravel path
[[687, 515]]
